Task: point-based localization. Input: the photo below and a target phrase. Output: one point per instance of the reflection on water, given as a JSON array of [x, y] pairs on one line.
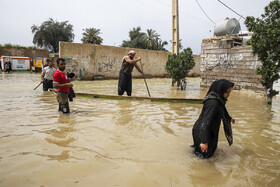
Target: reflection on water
[[130, 143]]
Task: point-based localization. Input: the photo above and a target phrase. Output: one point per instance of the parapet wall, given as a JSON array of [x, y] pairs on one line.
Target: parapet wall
[[221, 60], [89, 61], [24, 52]]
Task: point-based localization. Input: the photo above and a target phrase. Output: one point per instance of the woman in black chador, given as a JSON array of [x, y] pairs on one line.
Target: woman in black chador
[[206, 129]]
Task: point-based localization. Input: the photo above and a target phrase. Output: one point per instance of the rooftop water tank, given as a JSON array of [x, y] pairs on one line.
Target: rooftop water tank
[[228, 27]]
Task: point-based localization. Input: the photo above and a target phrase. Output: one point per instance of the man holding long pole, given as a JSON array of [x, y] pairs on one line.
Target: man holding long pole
[[125, 78], [47, 75]]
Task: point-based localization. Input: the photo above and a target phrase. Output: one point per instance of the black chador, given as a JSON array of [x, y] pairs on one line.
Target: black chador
[[206, 128]]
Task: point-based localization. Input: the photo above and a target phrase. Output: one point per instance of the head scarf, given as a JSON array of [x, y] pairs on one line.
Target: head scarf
[[216, 91], [220, 87], [132, 52]]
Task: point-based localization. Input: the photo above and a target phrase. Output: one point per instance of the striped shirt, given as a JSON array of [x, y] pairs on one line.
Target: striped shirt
[[48, 72]]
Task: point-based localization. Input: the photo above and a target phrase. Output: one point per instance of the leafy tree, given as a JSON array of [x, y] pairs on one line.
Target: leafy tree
[[17, 46], [90, 35], [178, 66], [50, 33], [137, 39], [266, 44], [136, 33], [142, 40]]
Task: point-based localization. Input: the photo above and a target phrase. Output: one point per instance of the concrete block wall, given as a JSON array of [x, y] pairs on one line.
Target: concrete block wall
[[196, 69], [89, 61], [221, 60], [24, 52]]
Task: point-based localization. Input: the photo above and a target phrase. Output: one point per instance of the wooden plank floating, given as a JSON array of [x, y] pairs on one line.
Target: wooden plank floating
[[160, 99]]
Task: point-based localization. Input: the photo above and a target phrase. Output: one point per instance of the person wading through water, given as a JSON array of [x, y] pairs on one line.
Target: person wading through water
[[47, 75], [125, 79], [47, 63], [206, 129], [62, 86]]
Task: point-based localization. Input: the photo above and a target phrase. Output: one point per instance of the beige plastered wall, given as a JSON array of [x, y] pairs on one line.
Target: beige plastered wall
[[89, 61], [23, 52]]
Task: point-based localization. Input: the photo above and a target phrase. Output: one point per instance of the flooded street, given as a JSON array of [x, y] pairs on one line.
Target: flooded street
[[128, 142]]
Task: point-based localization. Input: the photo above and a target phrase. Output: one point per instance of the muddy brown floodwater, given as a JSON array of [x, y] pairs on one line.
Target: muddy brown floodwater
[[130, 143]]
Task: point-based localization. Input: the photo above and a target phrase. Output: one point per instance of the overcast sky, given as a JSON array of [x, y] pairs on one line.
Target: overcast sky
[[115, 18]]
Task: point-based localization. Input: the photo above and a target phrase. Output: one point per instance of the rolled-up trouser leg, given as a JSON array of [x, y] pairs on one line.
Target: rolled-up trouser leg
[[65, 108], [62, 99]]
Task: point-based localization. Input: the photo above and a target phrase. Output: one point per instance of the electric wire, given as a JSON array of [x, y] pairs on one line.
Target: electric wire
[[183, 12], [231, 9], [205, 13], [144, 5]]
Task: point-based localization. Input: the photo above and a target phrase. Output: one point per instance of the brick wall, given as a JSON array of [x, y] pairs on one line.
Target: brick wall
[[221, 60]]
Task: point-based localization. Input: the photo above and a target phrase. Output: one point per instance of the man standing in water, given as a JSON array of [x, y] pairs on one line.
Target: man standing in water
[[62, 86], [47, 63], [125, 79], [8, 66], [47, 76]]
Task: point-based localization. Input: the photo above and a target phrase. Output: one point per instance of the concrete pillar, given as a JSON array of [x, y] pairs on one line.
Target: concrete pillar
[[175, 27]]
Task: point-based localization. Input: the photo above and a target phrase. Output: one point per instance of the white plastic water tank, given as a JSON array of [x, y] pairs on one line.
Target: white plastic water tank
[[228, 27]]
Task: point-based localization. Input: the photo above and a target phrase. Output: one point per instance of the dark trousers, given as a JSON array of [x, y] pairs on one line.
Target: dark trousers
[[125, 84], [47, 84]]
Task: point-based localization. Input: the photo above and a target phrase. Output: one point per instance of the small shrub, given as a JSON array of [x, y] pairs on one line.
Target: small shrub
[[178, 66]]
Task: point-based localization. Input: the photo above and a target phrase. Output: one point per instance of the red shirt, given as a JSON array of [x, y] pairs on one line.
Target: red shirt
[[59, 77]]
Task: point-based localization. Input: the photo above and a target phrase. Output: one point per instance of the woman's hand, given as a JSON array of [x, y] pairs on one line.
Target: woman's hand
[[232, 120], [204, 147]]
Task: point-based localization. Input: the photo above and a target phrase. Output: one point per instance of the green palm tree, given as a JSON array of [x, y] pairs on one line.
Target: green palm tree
[[161, 45], [90, 35], [152, 39], [50, 33]]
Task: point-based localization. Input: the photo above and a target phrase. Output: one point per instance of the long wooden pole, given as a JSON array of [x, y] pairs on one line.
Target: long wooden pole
[[160, 99], [145, 79], [38, 86]]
